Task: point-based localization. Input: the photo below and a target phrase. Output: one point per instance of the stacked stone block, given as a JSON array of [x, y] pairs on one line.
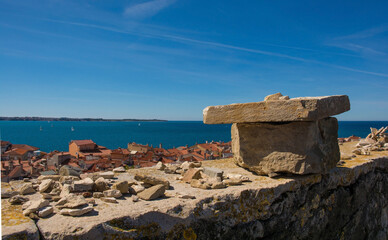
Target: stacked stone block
[[282, 135]]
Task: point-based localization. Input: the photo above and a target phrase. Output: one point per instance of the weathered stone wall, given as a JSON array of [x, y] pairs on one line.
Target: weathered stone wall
[[349, 202]]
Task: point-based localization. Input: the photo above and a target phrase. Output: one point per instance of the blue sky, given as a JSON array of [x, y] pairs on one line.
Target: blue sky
[[170, 59]]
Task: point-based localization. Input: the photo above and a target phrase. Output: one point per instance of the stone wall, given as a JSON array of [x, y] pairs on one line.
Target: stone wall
[[349, 202]]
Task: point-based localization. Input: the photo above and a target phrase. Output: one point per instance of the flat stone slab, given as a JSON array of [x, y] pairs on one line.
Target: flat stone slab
[[295, 109]]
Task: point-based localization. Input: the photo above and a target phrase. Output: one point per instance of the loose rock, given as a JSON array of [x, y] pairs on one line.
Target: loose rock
[[46, 185], [122, 186], [45, 211], [17, 199], [112, 193], [152, 180], [152, 192], [109, 199], [27, 189]]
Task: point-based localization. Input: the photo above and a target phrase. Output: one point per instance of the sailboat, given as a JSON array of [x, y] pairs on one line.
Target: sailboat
[[41, 129], [72, 129], [139, 124]]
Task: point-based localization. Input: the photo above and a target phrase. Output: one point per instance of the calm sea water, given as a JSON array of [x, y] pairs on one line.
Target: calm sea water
[[57, 135]]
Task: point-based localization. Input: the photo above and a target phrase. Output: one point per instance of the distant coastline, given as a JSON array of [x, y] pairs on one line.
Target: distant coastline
[[67, 119]]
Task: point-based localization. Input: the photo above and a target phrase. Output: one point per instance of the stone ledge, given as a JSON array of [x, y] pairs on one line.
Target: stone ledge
[[295, 109]]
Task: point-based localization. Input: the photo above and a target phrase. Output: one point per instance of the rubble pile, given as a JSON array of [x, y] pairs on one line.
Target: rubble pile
[[377, 140]]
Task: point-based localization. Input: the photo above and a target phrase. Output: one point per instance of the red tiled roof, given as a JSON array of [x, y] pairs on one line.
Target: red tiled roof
[[82, 142], [25, 146], [4, 143]]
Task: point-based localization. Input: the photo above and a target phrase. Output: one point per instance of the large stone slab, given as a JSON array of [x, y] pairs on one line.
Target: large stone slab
[[295, 147], [295, 109]]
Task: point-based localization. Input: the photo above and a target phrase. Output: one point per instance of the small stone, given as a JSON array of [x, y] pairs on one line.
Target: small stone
[[186, 196], [122, 186], [27, 189], [76, 211], [160, 166], [91, 201], [232, 182], [83, 185], [152, 192], [46, 196], [71, 201], [87, 194], [55, 192], [109, 199], [52, 177], [66, 190], [68, 170], [345, 156], [33, 216], [283, 98], [171, 169], [107, 175], [112, 193], [8, 193], [192, 173], [46, 185], [217, 185], [17, 199], [152, 180], [33, 206], [136, 189], [101, 185], [357, 151], [237, 176], [135, 198], [98, 195], [45, 211], [56, 198], [199, 183], [68, 179], [213, 172], [273, 97], [119, 170]]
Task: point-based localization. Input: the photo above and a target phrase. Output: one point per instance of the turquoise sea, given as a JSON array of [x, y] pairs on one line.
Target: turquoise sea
[[49, 136]]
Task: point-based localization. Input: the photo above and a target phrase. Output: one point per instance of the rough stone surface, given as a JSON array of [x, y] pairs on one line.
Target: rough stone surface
[[295, 109], [109, 199], [71, 201], [112, 193], [213, 172], [349, 202], [27, 189], [46, 185], [83, 185], [101, 184], [76, 211], [107, 175], [296, 147], [122, 186], [67, 170], [152, 180], [35, 206], [17, 199], [152, 192], [192, 173], [160, 166], [119, 170], [98, 195], [45, 211]]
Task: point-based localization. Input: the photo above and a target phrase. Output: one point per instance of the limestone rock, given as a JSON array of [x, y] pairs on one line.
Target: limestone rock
[[122, 186], [45, 211], [17, 199], [213, 172], [71, 201], [152, 192], [76, 211], [34, 206], [119, 170], [52, 177], [107, 175], [152, 180], [192, 173], [171, 168], [68, 179], [101, 185], [46, 196], [135, 189], [8, 193], [112, 193], [27, 189], [83, 185], [295, 109], [135, 198], [98, 195], [296, 147], [232, 182], [66, 190], [200, 183], [187, 165], [160, 166], [46, 185], [237, 177], [273, 97], [109, 199], [68, 170]]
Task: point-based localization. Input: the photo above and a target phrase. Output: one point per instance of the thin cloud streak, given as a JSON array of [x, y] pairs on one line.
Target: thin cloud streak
[[147, 9], [213, 44]]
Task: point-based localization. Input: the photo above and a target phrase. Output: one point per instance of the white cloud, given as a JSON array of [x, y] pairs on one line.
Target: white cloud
[[147, 9]]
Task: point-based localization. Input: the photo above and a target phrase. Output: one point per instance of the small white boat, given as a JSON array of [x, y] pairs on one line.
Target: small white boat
[[41, 129], [139, 124], [72, 129]]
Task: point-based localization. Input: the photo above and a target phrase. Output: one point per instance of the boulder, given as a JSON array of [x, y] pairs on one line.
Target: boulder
[[294, 109], [119, 170], [45, 211], [295, 147], [152, 180], [46, 185], [152, 192], [101, 185], [17, 199], [192, 173], [122, 186], [83, 185], [27, 189], [112, 193]]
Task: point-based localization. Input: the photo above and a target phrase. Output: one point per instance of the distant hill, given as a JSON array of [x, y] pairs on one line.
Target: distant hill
[[66, 119]]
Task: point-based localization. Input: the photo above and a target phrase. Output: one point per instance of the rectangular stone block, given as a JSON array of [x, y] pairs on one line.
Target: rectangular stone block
[[295, 109], [294, 147]]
